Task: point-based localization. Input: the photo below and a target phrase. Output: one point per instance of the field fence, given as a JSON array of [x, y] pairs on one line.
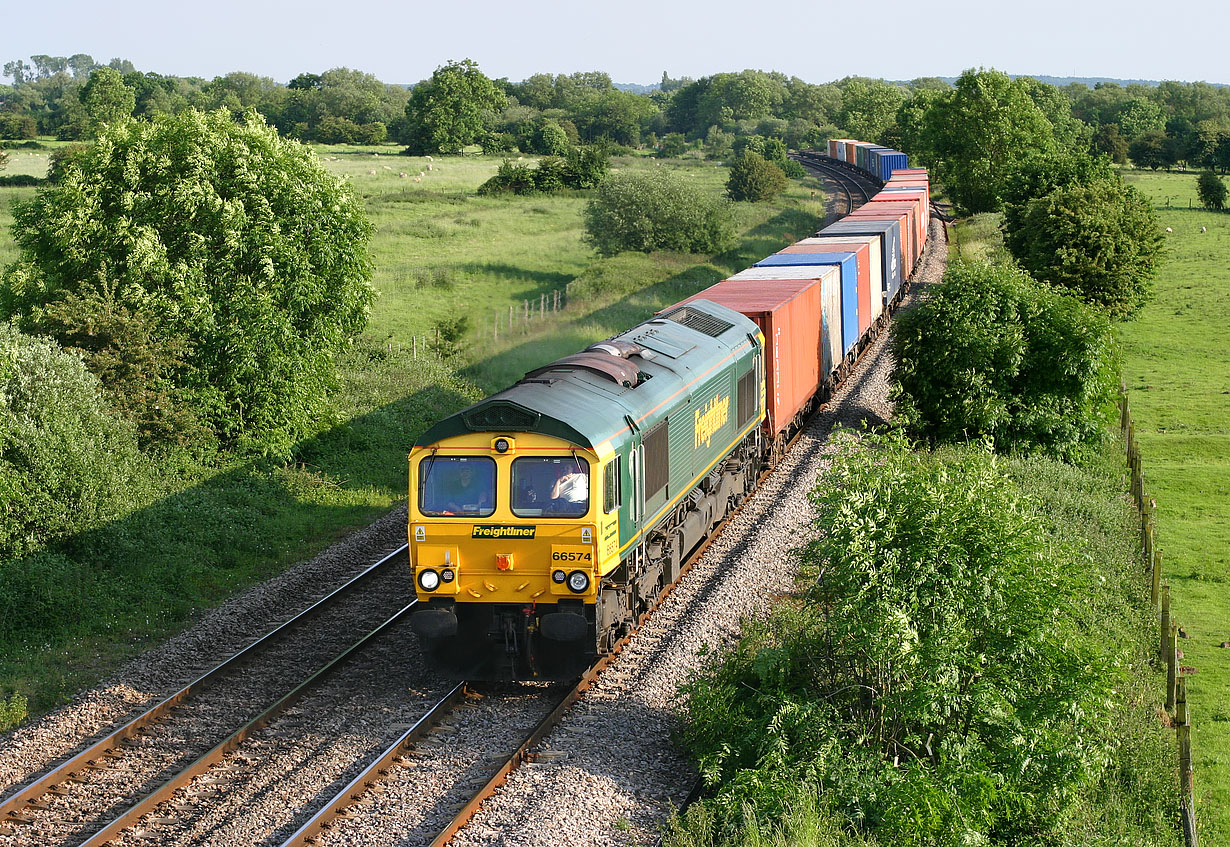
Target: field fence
[[1169, 630], [516, 320], [521, 320]]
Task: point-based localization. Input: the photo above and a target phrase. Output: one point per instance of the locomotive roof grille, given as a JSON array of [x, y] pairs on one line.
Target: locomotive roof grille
[[698, 320]]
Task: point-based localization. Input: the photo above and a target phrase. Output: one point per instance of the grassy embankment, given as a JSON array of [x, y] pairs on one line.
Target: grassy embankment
[[439, 252], [1174, 364]]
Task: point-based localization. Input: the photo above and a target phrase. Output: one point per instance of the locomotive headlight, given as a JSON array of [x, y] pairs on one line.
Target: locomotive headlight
[[558, 577], [447, 575], [578, 581], [429, 580]]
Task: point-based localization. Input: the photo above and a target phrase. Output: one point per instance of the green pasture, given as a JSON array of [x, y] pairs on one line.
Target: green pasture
[[1178, 378], [439, 252], [1175, 366]]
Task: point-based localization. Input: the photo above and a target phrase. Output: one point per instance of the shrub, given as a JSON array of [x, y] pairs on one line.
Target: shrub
[[754, 178], [933, 681], [498, 142], [18, 126], [550, 175], [236, 246], [656, 210], [1038, 174], [510, 178], [993, 355], [550, 139], [65, 463], [1102, 242], [673, 144], [586, 166], [1212, 191]]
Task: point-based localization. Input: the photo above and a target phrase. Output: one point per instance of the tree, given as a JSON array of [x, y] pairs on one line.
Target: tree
[[1106, 139], [1100, 241], [1147, 150], [995, 355], [451, 110], [754, 178], [656, 210], [869, 107], [65, 463], [975, 132], [1039, 174], [1212, 191], [234, 246], [106, 99]]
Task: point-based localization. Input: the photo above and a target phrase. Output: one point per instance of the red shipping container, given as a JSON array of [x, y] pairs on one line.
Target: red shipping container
[[914, 206], [798, 330], [907, 215], [902, 193], [862, 261]]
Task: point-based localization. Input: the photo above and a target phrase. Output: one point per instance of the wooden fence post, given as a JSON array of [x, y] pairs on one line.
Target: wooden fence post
[[414, 343], [1155, 585], [1164, 618], [542, 305], [1183, 732], [1172, 662], [526, 305]]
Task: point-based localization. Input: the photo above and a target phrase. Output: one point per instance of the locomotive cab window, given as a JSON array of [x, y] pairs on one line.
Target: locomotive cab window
[[457, 486], [552, 487], [610, 480]]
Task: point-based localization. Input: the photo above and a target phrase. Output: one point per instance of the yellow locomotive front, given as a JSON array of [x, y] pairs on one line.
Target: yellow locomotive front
[[506, 544]]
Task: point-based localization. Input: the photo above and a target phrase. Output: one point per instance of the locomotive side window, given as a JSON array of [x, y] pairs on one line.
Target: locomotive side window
[[556, 486], [610, 478], [450, 486]]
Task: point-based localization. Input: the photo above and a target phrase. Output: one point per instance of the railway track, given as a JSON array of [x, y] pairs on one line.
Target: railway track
[[852, 186], [92, 796]]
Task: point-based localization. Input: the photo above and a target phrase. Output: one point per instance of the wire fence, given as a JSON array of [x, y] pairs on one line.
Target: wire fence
[[1169, 630]]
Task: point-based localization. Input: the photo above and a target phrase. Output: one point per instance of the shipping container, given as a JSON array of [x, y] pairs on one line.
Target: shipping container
[[916, 207], [799, 354], [868, 296], [885, 161], [847, 262], [842, 243], [907, 215], [891, 249], [911, 192]]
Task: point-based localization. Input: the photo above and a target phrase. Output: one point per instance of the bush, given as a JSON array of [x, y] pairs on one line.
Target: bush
[[550, 139], [936, 681], [65, 463], [672, 145], [656, 210], [550, 175], [586, 166], [993, 355], [510, 178], [1212, 191], [753, 178], [235, 245], [1038, 174], [18, 126], [1102, 242]]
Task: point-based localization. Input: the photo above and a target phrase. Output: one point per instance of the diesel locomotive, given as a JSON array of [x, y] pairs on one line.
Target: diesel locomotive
[[545, 519]]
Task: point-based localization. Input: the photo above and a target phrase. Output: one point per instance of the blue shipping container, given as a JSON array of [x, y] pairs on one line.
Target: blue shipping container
[[848, 262], [890, 247]]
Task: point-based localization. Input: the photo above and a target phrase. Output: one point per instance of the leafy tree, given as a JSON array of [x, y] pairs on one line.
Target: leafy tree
[[551, 139], [1212, 191], [673, 144], [106, 99], [1100, 241], [1148, 149], [656, 210], [754, 178], [869, 107], [1037, 175], [228, 242], [1106, 139], [65, 463], [994, 355], [452, 109], [976, 131]]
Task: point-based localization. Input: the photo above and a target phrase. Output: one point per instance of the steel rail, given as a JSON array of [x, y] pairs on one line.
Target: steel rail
[[143, 807], [353, 793], [111, 745]]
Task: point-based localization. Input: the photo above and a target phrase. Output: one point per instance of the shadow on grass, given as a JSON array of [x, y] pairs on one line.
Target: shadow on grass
[[544, 281]]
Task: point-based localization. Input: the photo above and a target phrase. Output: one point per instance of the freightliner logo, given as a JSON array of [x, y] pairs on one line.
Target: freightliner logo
[[500, 531]]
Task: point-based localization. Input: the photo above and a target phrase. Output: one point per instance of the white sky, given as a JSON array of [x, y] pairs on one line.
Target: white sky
[[634, 40]]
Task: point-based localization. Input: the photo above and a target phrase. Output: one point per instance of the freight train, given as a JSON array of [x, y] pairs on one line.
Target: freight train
[[545, 519]]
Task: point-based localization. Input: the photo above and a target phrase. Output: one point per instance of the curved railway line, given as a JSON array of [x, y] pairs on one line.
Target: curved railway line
[[852, 183]]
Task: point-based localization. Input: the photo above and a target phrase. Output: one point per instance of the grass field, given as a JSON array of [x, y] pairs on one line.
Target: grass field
[[439, 251], [1178, 377], [1175, 366]]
